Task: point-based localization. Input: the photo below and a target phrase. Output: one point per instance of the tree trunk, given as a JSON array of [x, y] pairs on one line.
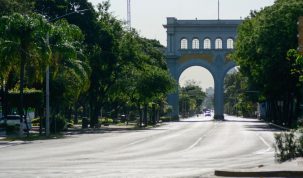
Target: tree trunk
[[140, 115], [154, 114], [76, 113], [3, 98], [21, 106], [145, 115], [94, 114], [22, 69]]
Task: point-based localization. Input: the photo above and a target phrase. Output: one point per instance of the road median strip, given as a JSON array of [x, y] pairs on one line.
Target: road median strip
[[226, 173]]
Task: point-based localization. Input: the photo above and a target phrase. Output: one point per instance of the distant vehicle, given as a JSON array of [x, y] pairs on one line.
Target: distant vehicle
[[12, 120], [207, 113]]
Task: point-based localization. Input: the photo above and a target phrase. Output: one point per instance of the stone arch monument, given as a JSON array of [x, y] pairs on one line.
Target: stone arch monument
[[204, 43]]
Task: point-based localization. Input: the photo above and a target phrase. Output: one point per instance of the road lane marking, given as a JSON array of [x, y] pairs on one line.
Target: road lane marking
[[193, 145], [135, 142], [263, 151], [265, 142], [215, 126]]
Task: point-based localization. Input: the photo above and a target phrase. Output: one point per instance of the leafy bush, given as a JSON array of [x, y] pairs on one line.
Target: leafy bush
[[36, 121], [289, 145], [70, 124], [58, 124], [165, 119], [300, 142], [106, 120], [168, 119]]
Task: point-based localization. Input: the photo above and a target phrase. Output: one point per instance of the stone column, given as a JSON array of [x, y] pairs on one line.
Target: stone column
[[219, 98], [173, 99]]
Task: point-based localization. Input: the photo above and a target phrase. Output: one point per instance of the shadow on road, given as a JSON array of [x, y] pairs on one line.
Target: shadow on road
[[196, 121], [106, 129], [263, 128], [243, 120]]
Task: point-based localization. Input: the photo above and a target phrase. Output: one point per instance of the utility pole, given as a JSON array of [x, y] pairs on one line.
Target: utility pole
[[47, 92], [300, 35], [218, 9], [128, 14]]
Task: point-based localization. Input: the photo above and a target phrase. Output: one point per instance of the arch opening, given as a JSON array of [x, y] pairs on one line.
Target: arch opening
[[191, 100]]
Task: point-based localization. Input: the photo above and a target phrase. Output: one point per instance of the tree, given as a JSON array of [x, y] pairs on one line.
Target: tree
[[69, 65], [141, 81], [191, 99], [240, 99], [86, 21], [8, 7], [118, 59], [23, 43], [261, 51]]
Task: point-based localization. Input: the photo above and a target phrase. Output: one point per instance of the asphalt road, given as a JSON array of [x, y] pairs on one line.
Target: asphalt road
[[193, 147]]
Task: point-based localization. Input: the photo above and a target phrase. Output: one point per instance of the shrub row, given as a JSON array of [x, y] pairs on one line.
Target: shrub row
[[289, 145]]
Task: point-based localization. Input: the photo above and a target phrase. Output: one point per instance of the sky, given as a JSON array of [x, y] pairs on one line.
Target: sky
[[149, 16]]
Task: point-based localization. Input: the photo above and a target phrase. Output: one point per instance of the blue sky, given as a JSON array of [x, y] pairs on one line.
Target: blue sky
[[148, 17]]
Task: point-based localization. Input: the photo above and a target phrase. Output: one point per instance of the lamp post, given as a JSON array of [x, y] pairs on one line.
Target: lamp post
[[47, 113]]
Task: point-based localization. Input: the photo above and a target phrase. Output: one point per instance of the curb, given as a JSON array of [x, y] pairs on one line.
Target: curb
[[259, 173], [278, 126]]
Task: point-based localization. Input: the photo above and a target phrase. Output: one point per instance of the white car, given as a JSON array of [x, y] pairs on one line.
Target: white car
[[15, 120], [207, 113]]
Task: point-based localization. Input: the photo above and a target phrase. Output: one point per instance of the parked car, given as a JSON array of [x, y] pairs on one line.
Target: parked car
[[13, 120], [207, 113]]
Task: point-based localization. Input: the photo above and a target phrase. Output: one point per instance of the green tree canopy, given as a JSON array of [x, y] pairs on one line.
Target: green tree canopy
[[261, 51], [191, 98]]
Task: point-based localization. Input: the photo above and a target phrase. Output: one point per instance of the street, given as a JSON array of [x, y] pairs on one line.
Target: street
[[193, 147]]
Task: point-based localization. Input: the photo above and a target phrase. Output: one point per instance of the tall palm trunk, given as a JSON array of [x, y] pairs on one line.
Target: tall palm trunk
[[22, 68], [3, 98], [21, 106]]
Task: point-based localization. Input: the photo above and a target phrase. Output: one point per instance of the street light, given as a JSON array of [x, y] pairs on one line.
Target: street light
[[47, 114]]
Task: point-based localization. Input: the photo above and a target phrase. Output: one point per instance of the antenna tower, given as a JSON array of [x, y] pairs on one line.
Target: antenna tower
[[128, 14], [218, 9]]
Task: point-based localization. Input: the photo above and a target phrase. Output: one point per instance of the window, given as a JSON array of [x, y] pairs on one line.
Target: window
[[184, 43], [230, 43], [195, 44], [218, 43], [207, 44]]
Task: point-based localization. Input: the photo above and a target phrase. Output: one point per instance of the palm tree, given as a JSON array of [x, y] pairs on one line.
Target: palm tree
[[68, 65], [23, 42]]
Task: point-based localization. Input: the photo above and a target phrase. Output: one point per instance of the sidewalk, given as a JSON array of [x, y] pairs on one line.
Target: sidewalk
[[292, 169]]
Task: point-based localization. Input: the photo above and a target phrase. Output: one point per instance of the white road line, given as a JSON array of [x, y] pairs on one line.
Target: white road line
[[199, 140], [135, 142], [193, 145], [265, 142], [269, 147]]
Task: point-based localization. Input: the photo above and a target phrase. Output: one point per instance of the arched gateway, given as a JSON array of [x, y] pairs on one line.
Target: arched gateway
[[204, 43]]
